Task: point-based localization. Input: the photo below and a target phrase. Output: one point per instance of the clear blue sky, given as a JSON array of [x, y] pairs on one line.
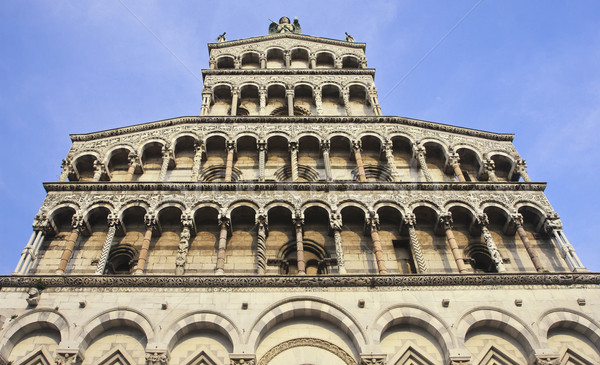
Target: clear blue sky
[[524, 67]]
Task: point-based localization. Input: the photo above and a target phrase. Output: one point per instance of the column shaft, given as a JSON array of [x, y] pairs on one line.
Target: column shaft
[[528, 247], [197, 164], [326, 161], [423, 164], [108, 241], [377, 249], [166, 158], [300, 249], [493, 249], [234, 102], [389, 157], [25, 253], [294, 160], [456, 253], [68, 251], [261, 246], [262, 150], [339, 252], [416, 249], [362, 176], [262, 94], [143, 257], [229, 163], [222, 247], [34, 252], [183, 248], [290, 102]]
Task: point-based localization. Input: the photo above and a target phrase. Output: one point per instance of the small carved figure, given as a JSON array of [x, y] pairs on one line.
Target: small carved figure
[[349, 38], [284, 26], [34, 297], [221, 38]]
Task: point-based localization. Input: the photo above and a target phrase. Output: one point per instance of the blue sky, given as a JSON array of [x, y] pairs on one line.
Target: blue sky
[[525, 67]]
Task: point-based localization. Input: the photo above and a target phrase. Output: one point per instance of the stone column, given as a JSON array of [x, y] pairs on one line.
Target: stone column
[[553, 227], [113, 222], [77, 224], [262, 95], [230, 145], [167, 155], [363, 62], [261, 246], [520, 169], [151, 224], [289, 93], [356, 147], [319, 100], [446, 221], [184, 244], [419, 152], [298, 224], [199, 150], [99, 170], [325, 147], [454, 161], [483, 222], [224, 224], [262, 151], [346, 98], [66, 170], [411, 221], [337, 62], [388, 148], [293, 147], [235, 94], [41, 227], [27, 252], [517, 220], [489, 166], [373, 225], [206, 100], [287, 56], [374, 101], [133, 164], [263, 60], [313, 60], [336, 227]]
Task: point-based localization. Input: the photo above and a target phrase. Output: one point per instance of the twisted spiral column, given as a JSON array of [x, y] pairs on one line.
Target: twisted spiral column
[[261, 244], [113, 221], [483, 221], [411, 221]]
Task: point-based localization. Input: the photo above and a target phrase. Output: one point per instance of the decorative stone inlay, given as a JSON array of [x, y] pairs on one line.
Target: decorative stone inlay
[[307, 342], [241, 281]]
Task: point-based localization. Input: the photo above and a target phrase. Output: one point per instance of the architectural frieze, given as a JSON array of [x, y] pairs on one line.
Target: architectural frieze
[[287, 39], [293, 71], [367, 281], [314, 80], [440, 196]]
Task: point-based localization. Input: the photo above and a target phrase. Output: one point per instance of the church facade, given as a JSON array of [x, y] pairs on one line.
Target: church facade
[[293, 223]]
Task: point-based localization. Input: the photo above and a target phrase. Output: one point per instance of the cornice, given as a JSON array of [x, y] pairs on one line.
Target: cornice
[[249, 281], [303, 37], [296, 120], [286, 71], [249, 186]]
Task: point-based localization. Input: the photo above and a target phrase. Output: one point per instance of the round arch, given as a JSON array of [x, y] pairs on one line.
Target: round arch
[[311, 307]]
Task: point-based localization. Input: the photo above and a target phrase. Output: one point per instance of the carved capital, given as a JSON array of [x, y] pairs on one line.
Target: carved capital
[[242, 359], [483, 220], [41, 223], [517, 219], [230, 145], [373, 359], [446, 220], [113, 220], [489, 165], [67, 358], [410, 220], [293, 146], [186, 220], [335, 221], [99, 166], [157, 358], [325, 145], [133, 158], [356, 145], [199, 146], [77, 222], [453, 159], [261, 145], [150, 220]]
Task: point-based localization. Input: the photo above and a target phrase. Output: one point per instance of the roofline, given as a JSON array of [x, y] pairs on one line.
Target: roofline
[[268, 37], [303, 119]]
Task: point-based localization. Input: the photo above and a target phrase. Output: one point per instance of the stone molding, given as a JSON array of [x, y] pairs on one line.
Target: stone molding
[[304, 186], [249, 120], [307, 342], [326, 281], [290, 71], [303, 37]]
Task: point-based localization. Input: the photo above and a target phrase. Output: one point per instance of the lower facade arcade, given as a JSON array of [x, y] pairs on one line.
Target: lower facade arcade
[[345, 325]]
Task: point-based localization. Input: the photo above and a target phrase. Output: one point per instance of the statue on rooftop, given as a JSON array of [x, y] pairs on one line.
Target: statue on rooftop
[[285, 26], [221, 38], [349, 38]]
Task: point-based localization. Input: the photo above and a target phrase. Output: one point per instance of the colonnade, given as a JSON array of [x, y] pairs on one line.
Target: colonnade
[[345, 95], [444, 225], [168, 161], [286, 58]]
